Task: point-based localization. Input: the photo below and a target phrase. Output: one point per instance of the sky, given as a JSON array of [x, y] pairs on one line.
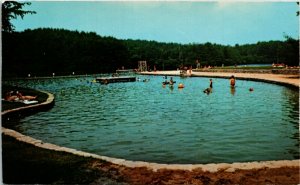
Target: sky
[[186, 22]]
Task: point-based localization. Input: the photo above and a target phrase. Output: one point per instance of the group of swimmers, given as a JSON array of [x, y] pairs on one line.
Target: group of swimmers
[[17, 96], [232, 86], [209, 90], [144, 80], [171, 82]]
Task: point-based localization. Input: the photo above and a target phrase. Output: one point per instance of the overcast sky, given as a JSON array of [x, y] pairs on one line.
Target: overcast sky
[[226, 23]]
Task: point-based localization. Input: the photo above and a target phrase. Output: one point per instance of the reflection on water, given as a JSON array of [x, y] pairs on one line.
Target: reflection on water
[[149, 122], [291, 109]]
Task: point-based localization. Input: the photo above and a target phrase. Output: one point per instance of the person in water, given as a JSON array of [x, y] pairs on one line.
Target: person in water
[[210, 83], [209, 90], [232, 81], [171, 81]]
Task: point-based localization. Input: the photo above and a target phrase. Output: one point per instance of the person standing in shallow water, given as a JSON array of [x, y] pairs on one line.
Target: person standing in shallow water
[[209, 90], [210, 83], [232, 81]]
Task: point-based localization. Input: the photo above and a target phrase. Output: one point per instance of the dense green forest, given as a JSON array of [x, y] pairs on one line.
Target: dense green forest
[[42, 52]]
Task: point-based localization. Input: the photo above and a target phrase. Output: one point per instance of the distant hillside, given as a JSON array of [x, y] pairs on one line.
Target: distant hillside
[[42, 52]]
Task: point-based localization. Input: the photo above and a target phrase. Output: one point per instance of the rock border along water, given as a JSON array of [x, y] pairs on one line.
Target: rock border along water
[[228, 167]]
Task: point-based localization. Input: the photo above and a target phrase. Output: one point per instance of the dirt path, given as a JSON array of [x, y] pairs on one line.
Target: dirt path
[[142, 175]]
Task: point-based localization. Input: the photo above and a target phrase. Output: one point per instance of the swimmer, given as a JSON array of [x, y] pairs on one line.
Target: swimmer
[[171, 81], [208, 90], [232, 81]]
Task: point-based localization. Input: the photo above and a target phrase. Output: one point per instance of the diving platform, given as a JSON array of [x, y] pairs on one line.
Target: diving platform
[[107, 80]]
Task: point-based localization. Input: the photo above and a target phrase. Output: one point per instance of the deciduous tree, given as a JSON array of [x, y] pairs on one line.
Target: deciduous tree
[[11, 10]]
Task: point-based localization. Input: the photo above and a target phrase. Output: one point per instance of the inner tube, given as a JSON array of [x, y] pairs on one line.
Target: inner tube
[[180, 86]]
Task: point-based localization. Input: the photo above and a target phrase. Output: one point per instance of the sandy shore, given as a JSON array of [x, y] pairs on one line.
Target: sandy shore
[[274, 78]]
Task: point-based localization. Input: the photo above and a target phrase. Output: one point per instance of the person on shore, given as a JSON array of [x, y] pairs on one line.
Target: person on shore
[[10, 97], [198, 64], [232, 81], [21, 97], [190, 70]]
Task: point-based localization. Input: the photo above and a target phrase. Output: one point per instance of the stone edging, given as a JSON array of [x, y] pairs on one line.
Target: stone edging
[[155, 166], [228, 167]]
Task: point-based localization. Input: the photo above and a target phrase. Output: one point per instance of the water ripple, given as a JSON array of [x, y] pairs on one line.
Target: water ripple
[[144, 121]]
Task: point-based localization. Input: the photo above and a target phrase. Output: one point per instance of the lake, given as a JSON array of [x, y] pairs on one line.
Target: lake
[[146, 121]]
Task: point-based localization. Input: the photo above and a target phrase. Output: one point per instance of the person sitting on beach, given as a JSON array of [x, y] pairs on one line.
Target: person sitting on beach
[[10, 97], [232, 81], [21, 97]]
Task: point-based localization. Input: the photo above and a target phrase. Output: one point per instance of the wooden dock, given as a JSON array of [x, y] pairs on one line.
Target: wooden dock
[[107, 80], [124, 71]]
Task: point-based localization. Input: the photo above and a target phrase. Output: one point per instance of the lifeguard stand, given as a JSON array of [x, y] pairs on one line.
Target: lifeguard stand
[[142, 66]]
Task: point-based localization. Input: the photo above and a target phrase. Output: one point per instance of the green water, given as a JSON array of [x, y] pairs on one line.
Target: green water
[[148, 122]]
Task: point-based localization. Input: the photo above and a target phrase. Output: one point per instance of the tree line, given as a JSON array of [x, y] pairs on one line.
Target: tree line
[[45, 51]]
